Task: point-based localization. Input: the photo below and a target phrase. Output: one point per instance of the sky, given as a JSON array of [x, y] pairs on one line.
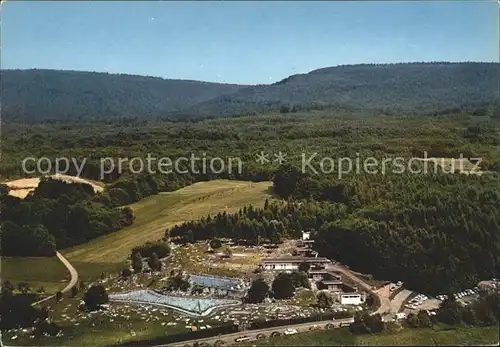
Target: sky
[[242, 42]]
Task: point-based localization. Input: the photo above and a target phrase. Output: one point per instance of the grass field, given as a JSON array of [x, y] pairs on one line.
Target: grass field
[[438, 336], [157, 213], [153, 216], [48, 273]]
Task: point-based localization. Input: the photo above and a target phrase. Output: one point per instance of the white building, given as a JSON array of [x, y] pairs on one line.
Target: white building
[[292, 263], [351, 298], [306, 235]]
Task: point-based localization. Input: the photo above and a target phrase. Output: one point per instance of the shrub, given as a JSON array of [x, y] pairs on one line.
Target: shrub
[[162, 249], [215, 243]]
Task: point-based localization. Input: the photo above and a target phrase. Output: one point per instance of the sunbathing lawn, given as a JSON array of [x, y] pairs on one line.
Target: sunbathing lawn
[[46, 272]]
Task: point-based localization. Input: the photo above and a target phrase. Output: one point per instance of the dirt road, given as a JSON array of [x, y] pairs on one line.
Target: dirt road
[[399, 299], [385, 305], [72, 282]]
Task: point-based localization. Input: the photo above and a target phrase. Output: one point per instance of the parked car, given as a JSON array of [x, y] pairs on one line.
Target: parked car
[[315, 327], [243, 338], [290, 331]]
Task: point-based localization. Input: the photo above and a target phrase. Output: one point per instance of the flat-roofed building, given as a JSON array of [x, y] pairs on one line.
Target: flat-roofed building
[[351, 298], [331, 285], [322, 274], [303, 251], [317, 275], [292, 263]]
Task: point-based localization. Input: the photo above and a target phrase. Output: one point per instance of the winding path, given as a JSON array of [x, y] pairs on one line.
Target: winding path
[[72, 282]]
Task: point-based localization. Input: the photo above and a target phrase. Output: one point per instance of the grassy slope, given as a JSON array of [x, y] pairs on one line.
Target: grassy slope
[[157, 213], [438, 336], [153, 216], [49, 273]]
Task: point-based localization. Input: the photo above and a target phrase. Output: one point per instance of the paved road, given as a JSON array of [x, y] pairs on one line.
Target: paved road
[[230, 338], [72, 282]]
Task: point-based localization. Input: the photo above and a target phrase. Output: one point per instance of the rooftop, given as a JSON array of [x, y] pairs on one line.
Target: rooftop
[[296, 260], [331, 282]]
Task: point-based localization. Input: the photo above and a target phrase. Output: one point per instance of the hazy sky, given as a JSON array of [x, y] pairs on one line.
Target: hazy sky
[[243, 42]]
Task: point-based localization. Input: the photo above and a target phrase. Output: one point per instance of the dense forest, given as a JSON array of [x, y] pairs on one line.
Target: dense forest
[[413, 88], [56, 215], [388, 88], [435, 231], [34, 95], [436, 234]]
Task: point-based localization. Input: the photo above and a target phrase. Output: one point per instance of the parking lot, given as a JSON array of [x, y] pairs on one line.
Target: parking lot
[[422, 302]]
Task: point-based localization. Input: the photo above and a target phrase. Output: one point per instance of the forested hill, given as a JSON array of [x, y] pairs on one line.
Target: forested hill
[[391, 88], [388, 88], [51, 94]]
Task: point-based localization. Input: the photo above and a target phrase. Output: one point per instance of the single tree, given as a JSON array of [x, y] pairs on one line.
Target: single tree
[[258, 291], [126, 273], [300, 279], [283, 287], [304, 266], [95, 297], [23, 287], [177, 282], [189, 237], [74, 291], [59, 296], [137, 262], [324, 300], [424, 319], [7, 286], [154, 262]]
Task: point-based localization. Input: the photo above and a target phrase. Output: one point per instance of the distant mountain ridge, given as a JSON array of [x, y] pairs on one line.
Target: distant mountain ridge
[[35, 95], [52, 94], [405, 88]]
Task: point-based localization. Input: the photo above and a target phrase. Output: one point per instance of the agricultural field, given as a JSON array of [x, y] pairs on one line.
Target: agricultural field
[[455, 336]]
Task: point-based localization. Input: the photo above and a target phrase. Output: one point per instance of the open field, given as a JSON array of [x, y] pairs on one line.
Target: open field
[[157, 213], [436, 336], [48, 273]]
